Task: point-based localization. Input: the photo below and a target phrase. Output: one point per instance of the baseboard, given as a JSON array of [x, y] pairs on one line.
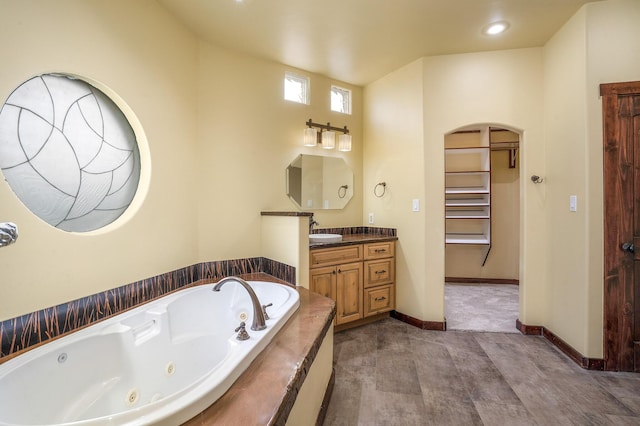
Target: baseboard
[[564, 347], [466, 280], [424, 325], [362, 321], [530, 330], [322, 414]]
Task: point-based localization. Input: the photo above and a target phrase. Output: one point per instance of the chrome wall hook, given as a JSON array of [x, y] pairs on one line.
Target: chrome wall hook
[[8, 233]]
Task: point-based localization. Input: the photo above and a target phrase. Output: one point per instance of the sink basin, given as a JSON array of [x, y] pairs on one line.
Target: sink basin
[[324, 238]]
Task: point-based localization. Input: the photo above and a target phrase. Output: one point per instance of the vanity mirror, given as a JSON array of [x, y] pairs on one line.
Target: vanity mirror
[[315, 182]]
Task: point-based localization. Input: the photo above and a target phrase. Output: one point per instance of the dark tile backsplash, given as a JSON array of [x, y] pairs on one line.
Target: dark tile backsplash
[[367, 230], [25, 331]]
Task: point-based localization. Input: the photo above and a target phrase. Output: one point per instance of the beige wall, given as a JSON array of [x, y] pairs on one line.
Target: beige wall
[[600, 44], [566, 124], [498, 88], [149, 61], [548, 94], [247, 136], [219, 135], [407, 114], [394, 154]]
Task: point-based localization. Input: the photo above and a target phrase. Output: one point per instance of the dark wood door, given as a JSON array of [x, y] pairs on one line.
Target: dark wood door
[[621, 114]]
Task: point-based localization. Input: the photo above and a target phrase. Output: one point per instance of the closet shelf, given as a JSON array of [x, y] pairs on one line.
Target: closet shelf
[[466, 172], [479, 213], [467, 190], [470, 150], [466, 239], [476, 201]]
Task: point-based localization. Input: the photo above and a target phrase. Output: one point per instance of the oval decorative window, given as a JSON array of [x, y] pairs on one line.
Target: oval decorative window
[[68, 152]]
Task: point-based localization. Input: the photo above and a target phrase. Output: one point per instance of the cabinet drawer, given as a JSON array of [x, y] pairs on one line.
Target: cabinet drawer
[[379, 250], [379, 299], [334, 256], [378, 272]]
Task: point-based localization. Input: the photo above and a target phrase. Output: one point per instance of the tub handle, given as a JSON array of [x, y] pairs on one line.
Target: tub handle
[[264, 310], [242, 333]]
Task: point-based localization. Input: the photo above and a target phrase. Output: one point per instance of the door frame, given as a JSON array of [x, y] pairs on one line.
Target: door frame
[[618, 175]]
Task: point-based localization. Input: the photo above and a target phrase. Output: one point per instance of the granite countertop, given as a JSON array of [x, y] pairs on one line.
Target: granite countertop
[[351, 239], [265, 393]]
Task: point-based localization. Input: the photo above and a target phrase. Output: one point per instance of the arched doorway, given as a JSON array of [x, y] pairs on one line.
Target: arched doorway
[[482, 223]]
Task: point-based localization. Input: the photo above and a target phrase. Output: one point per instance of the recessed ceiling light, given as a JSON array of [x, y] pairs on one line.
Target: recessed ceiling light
[[496, 28]]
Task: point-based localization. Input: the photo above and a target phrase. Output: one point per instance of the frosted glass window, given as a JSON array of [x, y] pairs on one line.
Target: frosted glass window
[[296, 88], [68, 152], [340, 100]]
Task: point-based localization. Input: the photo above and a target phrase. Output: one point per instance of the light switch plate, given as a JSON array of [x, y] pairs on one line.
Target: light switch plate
[[573, 203], [371, 218], [415, 205]]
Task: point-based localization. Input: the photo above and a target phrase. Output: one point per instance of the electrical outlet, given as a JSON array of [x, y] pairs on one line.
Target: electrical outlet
[[371, 218]]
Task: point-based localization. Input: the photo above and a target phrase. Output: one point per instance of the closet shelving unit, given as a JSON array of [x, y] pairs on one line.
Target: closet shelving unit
[[468, 190]]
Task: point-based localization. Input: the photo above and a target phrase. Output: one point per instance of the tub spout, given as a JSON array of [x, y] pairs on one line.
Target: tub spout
[[258, 316]]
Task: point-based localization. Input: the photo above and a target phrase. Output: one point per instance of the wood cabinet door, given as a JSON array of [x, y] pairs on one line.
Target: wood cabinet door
[[349, 286], [323, 281]]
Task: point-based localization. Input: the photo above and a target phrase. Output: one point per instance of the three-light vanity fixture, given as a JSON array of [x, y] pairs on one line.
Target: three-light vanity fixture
[[326, 137]]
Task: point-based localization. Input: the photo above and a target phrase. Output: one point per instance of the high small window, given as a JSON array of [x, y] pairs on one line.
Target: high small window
[[340, 100], [296, 88]]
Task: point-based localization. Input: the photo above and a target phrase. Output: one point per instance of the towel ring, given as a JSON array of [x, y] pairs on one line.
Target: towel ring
[[384, 189], [342, 191]]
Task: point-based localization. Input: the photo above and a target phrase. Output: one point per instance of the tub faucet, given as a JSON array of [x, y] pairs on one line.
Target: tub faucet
[[258, 315]]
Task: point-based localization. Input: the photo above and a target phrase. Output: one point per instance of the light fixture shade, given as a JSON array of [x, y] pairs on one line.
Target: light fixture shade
[[328, 139], [344, 143], [310, 136]]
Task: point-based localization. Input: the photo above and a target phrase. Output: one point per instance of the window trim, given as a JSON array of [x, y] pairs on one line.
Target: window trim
[[306, 87], [346, 103]]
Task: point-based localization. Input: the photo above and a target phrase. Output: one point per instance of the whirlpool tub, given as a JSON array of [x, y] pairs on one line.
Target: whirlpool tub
[[161, 363]]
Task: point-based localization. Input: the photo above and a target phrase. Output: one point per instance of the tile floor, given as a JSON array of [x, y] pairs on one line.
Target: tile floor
[[481, 307], [391, 373]]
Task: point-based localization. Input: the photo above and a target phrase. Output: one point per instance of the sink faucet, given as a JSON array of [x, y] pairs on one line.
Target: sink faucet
[[258, 316], [311, 223]]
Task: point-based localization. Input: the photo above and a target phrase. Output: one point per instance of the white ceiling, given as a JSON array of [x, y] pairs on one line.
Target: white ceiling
[[359, 41]]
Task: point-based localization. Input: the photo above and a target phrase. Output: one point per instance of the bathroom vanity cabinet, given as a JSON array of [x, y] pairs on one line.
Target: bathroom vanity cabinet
[[359, 277]]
